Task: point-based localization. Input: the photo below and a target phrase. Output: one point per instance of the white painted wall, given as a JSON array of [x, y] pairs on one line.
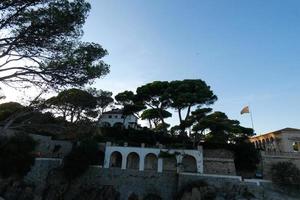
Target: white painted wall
[[117, 118], [142, 152]]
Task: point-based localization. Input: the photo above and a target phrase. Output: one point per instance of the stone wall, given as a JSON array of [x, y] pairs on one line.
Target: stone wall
[[39, 172], [51, 148], [218, 153], [218, 161], [219, 166], [133, 181], [126, 182], [269, 159]]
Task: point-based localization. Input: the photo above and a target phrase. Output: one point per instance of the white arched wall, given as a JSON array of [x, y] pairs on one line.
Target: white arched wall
[[142, 152]]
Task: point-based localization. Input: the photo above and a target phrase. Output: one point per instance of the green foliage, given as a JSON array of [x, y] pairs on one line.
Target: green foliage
[[72, 103], [79, 159], [186, 94], [182, 95], [166, 154], [130, 103], [222, 129], [103, 98], [16, 156], [47, 33], [136, 137], [8, 109], [133, 196], [286, 174], [206, 193], [152, 197], [154, 115], [246, 157], [154, 96]]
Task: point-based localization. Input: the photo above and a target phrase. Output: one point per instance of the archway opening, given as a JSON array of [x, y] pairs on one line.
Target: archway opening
[[116, 159], [105, 124], [151, 162], [189, 164], [264, 144], [118, 125], [133, 161], [170, 164]]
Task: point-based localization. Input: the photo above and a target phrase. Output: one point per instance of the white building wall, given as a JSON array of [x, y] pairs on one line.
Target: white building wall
[[117, 118], [142, 152], [287, 140]]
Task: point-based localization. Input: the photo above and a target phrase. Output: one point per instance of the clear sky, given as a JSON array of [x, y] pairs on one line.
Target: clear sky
[[247, 51]]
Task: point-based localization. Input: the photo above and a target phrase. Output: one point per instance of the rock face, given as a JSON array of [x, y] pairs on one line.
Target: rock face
[[203, 191], [56, 188], [13, 189]]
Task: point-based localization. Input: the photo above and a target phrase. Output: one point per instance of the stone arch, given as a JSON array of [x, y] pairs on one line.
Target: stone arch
[[133, 161], [189, 163], [151, 162], [116, 159], [118, 125], [260, 144], [256, 145], [268, 144], [272, 144], [263, 144], [169, 164], [105, 124]]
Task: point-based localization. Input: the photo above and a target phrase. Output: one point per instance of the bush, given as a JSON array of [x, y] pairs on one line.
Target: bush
[[133, 196], [8, 109], [79, 159], [16, 156], [152, 197], [285, 174], [246, 157], [206, 193]]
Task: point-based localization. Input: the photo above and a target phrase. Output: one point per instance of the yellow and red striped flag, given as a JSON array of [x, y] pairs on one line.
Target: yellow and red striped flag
[[245, 110]]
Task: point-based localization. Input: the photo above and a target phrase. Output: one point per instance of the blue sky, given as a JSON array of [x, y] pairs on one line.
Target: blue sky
[[247, 51]]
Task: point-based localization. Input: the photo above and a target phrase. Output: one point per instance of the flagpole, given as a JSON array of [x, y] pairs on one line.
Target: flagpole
[[251, 119]]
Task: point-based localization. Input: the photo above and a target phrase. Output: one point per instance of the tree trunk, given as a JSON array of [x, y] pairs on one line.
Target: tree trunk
[[150, 124]]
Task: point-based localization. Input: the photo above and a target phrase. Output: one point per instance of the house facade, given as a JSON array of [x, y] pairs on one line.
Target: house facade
[[284, 140], [115, 118]]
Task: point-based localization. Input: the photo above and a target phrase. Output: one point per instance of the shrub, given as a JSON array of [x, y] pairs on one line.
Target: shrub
[[8, 109], [133, 196], [16, 156], [79, 159], [206, 193], [246, 157], [152, 197], [285, 174]]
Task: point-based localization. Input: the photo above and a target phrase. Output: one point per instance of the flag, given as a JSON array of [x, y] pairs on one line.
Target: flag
[[245, 110]]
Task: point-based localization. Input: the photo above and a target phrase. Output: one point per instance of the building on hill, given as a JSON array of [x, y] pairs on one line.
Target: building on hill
[[277, 146], [116, 118], [284, 140], [161, 159]]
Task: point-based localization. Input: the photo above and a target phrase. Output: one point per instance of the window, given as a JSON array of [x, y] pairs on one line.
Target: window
[[296, 146], [116, 116], [109, 116]]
